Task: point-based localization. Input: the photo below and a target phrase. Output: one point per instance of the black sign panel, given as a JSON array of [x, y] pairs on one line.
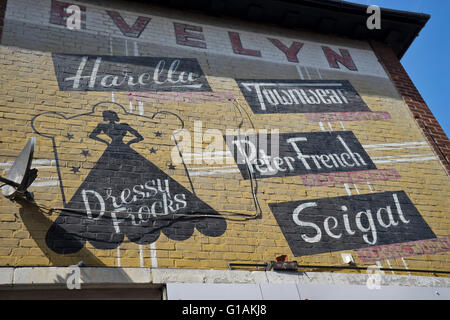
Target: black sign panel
[[350, 222], [111, 73], [289, 154], [301, 96]]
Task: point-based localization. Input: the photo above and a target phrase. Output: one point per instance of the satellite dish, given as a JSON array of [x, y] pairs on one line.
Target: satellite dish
[[20, 176]]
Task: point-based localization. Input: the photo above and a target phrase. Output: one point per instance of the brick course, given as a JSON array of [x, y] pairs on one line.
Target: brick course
[[413, 99]]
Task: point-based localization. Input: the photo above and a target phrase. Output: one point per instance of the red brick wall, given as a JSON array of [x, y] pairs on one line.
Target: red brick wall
[[422, 114]]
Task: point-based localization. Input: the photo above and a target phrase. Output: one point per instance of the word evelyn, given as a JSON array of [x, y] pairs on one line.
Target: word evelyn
[[350, 222], [109, 73], [193, 36], [299, 153], [298, 96]]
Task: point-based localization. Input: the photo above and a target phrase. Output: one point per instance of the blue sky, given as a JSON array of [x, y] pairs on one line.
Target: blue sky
[[427, 60]]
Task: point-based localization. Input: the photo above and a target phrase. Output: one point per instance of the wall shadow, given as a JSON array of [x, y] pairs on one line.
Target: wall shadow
[[37, 223]]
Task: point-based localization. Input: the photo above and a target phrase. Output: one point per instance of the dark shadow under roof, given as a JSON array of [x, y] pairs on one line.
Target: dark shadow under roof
[[398, 28]]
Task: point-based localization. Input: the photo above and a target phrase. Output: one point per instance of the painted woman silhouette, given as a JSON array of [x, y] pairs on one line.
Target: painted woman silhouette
[[131, 193]]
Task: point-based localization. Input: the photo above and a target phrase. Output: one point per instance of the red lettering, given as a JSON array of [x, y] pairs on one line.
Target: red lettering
[[237, 46], [135, 30], [333, 58], [291, 52], [407, 248], [58, 14], [186, 38]]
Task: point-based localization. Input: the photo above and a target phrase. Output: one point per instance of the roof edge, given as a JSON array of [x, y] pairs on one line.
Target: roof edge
[[342, 18]]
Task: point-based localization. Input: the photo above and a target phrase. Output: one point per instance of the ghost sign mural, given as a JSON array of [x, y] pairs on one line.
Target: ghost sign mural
[[125, 193], [129, 192]]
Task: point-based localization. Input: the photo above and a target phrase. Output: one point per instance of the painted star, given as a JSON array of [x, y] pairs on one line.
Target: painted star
[[69, 136], [152, 150], [75, 169], [158, 133], [171, 167], [85, 152]]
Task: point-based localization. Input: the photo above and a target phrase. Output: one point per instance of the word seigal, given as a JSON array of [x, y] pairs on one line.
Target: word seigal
[[138, 203], [111, 73], [299, 96], [350, 222]]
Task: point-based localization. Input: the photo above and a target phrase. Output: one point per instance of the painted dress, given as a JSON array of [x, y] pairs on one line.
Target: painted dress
[[126, 194]]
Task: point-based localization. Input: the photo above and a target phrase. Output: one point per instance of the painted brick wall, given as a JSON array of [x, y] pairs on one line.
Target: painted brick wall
[[354, 172], [424, 118]]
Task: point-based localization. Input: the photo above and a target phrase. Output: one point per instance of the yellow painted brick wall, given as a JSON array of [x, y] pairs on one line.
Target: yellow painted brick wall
[[29, 91]]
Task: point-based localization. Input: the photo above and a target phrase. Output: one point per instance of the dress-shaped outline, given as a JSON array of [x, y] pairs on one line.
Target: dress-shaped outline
[[104, 231]]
